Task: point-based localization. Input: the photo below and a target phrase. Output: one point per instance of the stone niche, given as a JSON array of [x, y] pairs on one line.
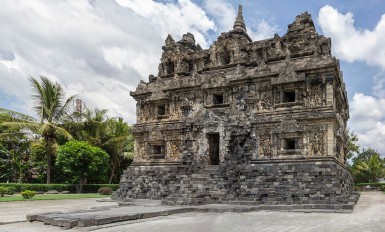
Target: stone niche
[[259, 121]]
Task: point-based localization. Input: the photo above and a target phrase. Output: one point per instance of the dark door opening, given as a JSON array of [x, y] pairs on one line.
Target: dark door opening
[[213, 140]]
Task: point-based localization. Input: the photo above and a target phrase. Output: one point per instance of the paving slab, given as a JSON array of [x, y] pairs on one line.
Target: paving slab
[[367, 216], [11, 212], [134, 209]]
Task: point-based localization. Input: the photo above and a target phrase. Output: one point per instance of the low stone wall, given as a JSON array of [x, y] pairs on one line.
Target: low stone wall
[[280, 182]]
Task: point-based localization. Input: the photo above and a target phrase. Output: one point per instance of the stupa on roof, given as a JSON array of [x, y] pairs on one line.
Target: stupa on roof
[[256, 121]]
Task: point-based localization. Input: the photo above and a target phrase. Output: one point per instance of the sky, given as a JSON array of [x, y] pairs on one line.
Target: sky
[[101, 49]]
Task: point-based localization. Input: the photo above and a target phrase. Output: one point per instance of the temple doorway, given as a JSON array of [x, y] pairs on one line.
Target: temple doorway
[[213, 141]]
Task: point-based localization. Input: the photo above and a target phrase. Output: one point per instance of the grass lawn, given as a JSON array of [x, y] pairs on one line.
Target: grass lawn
[[39, 197]]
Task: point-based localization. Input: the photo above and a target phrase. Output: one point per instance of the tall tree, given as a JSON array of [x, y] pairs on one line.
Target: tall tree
[[89, 126], [368, 166], [119, 136], [51, 105], [353, 147]]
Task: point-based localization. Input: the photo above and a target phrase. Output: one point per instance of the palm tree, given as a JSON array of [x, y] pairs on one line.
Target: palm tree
[[51, 106], [119, 134], [371, 169], [88, 126]]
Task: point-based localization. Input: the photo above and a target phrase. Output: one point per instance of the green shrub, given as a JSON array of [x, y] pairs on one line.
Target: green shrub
[[28, 194], [11, 191], [93, 188], [3, 191], [87, 188], [370, 184], [105, 190]]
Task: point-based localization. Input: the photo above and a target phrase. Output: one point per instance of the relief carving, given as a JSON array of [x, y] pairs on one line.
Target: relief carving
[[265, 146], [317, 144]]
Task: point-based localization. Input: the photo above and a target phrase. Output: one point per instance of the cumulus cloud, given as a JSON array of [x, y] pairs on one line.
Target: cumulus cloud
[[367, 119], [351, 43], [263, 30], [98, 49], [223, 12]]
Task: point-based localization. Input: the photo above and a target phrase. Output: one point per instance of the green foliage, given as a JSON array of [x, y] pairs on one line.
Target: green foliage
[[368, 166], [119, 143], [87, 188], [3, 191], [105, 190], [28, 194], [40, 197], [80, 161], [353, 148]]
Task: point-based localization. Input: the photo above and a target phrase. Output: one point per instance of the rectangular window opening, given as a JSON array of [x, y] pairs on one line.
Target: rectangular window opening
[[213, 141], [161, 110], [290, 144], [218, 99], [158, 152], [289, 96]]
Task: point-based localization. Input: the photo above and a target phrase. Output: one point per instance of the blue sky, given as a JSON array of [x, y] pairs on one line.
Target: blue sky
[[102, 49]]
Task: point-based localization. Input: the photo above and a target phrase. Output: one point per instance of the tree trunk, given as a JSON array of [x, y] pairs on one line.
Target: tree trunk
[[82, 182], [113, 169], [49, 159]]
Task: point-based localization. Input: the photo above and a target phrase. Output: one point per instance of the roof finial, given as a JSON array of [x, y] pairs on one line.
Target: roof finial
[[239, 23]]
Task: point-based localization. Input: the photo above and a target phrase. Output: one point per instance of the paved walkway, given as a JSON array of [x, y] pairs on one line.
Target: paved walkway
[[368, 215], [17, 210]]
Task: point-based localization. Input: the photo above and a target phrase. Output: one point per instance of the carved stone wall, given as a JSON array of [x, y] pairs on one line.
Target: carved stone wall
[[255, 111]]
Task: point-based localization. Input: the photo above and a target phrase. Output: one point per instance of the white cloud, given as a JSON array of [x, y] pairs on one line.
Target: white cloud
[[264, 30], [98, 49], [174, 19], [367, 119], [351, 43], [223, 12]]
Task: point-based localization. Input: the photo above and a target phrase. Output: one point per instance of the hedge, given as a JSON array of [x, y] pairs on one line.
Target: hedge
[[87, 188], [370, 184]]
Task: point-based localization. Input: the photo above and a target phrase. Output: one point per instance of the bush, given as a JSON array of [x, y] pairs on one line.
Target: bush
[[3, 191], [28, 194], [87, 188], [80, 160], [370, 184], [105, 190], [17, 187], [93, 188]]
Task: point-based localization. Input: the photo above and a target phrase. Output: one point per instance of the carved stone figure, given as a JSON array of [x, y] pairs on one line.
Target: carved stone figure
[[265, 145]]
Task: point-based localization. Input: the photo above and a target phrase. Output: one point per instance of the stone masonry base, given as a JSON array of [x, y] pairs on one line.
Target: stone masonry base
[[281, 182]]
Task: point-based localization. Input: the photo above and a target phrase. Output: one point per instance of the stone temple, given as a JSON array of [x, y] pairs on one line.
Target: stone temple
[[262, 122]]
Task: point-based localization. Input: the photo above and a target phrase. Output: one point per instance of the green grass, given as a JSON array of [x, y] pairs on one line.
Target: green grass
[[52, 197]]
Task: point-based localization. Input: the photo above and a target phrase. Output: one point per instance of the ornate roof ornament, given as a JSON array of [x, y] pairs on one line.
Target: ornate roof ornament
[[239, 23]]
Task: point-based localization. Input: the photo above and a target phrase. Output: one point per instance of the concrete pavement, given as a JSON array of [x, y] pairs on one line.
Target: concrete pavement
[[368, 215]]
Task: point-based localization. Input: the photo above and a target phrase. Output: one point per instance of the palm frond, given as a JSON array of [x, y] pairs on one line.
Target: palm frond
[[15, 116]]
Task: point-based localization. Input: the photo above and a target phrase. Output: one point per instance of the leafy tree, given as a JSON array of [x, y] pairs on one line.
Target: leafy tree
[[353, 147], [15, 156], [51, 106], [368, 166], [80, 161]]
